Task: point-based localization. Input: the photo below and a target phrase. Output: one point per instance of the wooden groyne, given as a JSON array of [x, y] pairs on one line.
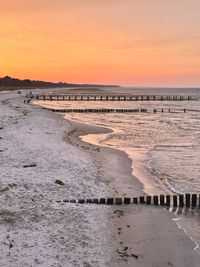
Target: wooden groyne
[[183, 200], [67, 97], [111, 110]]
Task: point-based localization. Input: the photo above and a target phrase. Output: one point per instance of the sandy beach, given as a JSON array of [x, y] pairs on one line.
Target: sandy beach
[[38, 147]]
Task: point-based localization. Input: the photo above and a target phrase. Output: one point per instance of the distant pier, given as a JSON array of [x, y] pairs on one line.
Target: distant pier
[[72, 97]]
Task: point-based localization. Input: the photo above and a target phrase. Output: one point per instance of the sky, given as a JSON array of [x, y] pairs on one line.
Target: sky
[[126, 42]]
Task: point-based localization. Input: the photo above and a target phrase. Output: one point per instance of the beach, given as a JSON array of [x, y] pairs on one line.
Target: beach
[[38, 147]]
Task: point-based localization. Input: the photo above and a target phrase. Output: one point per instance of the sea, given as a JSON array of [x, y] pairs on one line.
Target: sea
[[164, 146]]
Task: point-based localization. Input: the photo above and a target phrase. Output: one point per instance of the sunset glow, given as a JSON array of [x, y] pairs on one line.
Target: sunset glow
[[128, 42]]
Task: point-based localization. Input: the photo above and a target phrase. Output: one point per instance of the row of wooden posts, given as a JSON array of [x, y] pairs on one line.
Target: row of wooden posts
[[187, 200], [111, 110], [111, 97]]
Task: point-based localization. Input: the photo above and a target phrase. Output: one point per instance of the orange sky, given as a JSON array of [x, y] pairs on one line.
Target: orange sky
[[128, 42]]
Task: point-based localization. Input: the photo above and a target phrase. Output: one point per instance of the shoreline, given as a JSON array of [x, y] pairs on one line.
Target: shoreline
[[94, 130], [124, 217], [111, 158], [151, 185], [45, 231], [139, 156], [84, 137], [90, 129]]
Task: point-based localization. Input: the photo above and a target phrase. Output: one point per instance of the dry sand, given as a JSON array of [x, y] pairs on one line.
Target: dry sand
[[38, 229]]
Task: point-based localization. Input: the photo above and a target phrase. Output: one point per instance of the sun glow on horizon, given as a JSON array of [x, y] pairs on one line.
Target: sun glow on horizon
[[141, 43]]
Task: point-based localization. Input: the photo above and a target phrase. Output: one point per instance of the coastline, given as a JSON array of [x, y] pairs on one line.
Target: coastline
[[111, 161], [87, 136], [150, 185], [161, 224], [48, 232]]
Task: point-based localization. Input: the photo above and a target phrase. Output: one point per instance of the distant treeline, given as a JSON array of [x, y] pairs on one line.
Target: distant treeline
[[8, 82]]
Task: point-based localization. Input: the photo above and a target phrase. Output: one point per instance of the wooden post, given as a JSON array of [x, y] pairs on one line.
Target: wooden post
[[155, 200], [148, 200], [162, 200], [118, 201], [167, 201], [142, 200], [127, 200], [175, 200], [181, 201], [102, 201], [135, 200], [194, 200], [95, 201], [109, 201], [187, 199]]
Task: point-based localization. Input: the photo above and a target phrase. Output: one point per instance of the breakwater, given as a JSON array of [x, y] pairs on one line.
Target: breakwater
[[72, 97], [182, 200], [111, 110]]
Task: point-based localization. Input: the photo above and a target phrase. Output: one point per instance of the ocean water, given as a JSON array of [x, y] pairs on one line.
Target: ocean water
[[164, 146]]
